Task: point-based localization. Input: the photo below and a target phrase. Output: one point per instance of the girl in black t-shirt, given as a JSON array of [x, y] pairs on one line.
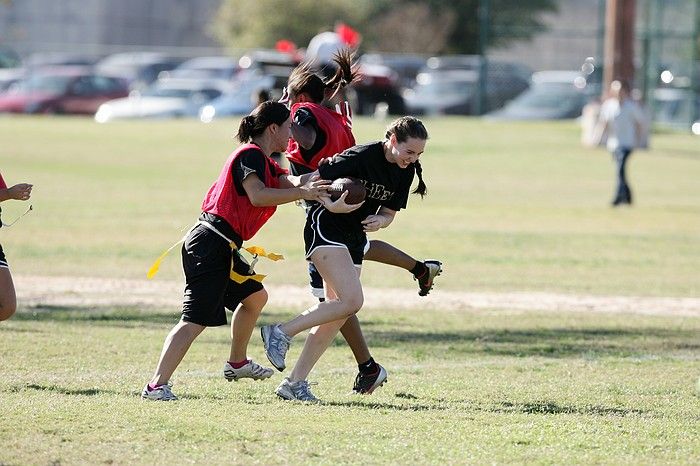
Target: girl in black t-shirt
[[319, 132], [336, 243]]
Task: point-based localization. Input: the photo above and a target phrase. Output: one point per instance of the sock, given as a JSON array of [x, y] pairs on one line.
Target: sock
[[239, 364], [153, 387], [419, 269], [368, 367]]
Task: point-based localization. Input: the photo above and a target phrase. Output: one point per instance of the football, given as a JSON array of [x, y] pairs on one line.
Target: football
[[356, 190]]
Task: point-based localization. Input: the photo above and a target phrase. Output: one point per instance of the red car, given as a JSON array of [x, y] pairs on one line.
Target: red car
[[58, 90]]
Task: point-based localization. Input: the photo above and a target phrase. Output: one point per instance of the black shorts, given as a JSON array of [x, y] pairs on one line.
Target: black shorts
[[321, 231], [3, 260], [206, 260]]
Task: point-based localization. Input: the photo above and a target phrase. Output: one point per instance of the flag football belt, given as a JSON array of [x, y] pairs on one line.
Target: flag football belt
[[256, 251]]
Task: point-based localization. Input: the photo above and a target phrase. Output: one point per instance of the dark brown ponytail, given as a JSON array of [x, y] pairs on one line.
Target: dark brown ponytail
[[421, 189], [264, 115], [346, 72], [303, 79]]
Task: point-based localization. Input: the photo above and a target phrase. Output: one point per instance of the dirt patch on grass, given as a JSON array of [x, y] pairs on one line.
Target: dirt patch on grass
[[82, 291]]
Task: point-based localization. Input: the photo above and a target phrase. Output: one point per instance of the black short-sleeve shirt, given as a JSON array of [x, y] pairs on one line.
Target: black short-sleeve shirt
[[248, 162], [387, 184]]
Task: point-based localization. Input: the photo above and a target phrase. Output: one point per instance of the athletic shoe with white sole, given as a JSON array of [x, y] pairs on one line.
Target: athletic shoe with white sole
[[252, 370], [276, 344], [160, 393], [425, 281], [298, 391], [365, 384]]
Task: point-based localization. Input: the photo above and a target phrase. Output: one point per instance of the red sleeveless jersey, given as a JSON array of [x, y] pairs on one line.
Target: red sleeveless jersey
[[223, 200], [336, 128]]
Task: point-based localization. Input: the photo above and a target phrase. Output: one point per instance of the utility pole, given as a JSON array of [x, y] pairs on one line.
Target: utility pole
[[619, 42]]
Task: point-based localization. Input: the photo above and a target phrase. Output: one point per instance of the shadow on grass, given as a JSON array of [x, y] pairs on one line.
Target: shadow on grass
[[554, 342], [546, 342], [549, 407], [66, 391], [386, 406], [96, 314], [117, 315]]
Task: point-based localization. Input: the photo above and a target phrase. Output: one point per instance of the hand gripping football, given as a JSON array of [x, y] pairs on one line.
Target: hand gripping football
[[356, 190]]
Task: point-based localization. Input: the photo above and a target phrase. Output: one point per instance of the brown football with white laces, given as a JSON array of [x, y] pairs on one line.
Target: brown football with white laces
[[356, 190]]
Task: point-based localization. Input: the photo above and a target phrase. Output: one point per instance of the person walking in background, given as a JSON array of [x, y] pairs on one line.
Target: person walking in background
[[8, 298], [623, 122], [337, 243], [242, 199], [319, 132]]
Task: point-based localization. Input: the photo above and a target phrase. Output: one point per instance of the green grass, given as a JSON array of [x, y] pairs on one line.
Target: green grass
[[511, 207], [464, 387], [518, 206]]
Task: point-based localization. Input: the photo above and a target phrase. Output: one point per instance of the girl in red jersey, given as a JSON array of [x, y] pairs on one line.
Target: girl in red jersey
[[319, 132], [238, 204], [8, 299]]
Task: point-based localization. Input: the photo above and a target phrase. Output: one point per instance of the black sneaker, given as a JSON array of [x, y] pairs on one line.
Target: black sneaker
[[425, 282], [365, 384]]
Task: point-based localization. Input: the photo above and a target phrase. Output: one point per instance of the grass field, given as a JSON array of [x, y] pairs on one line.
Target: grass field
[[512, 207]]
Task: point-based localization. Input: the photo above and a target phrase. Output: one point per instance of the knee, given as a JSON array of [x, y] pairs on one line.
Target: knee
[[352, 304], [256, 301], [7, 310]]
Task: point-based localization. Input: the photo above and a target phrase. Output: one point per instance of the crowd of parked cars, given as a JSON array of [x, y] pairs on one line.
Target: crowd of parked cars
[[156, 85]]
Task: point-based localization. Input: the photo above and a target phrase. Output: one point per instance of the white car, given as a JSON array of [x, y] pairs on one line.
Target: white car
[[240, 99], [164, 99]]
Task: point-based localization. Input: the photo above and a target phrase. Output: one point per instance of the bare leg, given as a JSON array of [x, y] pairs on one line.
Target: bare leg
[[379, 251], [175, 347], [317, 341], [243, 324], [337, 269], [8, 298], [356, 340]]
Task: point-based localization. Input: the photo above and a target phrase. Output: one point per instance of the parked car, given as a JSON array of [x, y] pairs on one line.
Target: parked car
[[203, 68], [164, 99], [455, 92], [140, 69], [518, 71], [407, 66], [9, 77], [379, 85], [277, 66], [552, 95], [45, 59], [240, 99], [62, 90]]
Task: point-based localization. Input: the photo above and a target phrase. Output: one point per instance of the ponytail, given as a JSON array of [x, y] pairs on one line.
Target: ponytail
[[304, 80], [421, 189], [264, 115], [346, 72]]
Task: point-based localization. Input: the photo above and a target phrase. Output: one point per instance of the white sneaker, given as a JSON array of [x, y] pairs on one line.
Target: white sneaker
[[299, 391], [276, 344], [160, 393], [252, 370]]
